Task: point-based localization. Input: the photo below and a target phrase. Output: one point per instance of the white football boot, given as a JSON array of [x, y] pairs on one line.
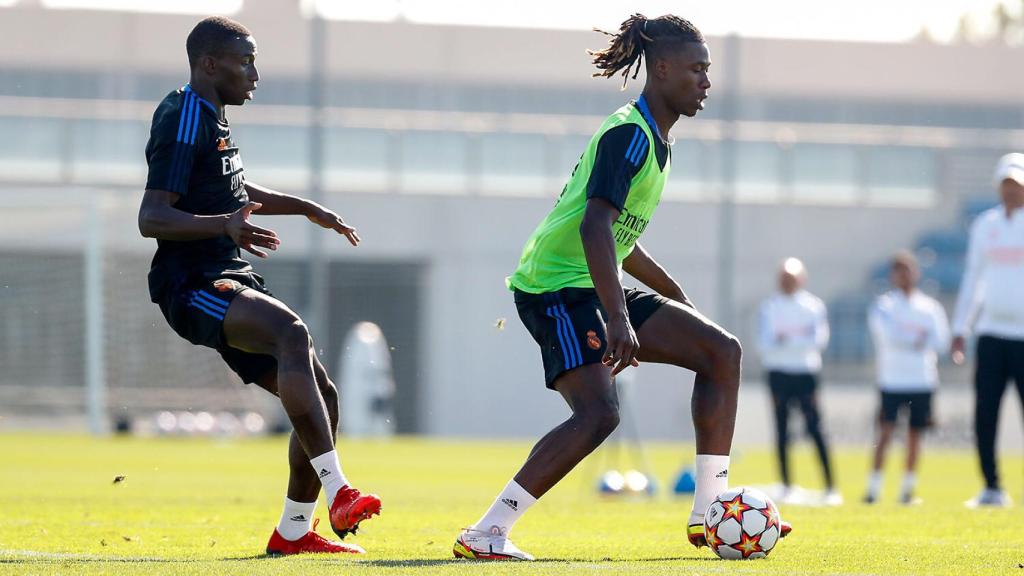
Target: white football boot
[[487, 545]]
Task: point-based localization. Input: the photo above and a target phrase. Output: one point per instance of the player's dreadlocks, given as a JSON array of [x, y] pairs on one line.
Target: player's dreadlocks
[[638, 36], [210, 35]]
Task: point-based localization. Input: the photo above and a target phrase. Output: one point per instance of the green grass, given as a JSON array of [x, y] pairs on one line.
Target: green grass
[[208, 506]]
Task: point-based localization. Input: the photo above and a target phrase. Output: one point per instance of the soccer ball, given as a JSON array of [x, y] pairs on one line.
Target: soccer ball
[[633, 482], [612, 482], [741, 523]]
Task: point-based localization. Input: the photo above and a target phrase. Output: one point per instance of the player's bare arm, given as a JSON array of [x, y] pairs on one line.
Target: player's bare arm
[[599, 248], [276, 203], [158, 218], [642, 266]]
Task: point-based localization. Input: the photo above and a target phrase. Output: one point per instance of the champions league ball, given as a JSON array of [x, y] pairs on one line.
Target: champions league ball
[[741, 524]]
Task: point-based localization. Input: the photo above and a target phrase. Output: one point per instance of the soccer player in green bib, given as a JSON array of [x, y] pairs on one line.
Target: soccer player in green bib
[[569, 293]]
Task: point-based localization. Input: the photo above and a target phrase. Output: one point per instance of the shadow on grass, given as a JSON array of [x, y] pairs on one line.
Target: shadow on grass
[[27, 557], [455, 561]]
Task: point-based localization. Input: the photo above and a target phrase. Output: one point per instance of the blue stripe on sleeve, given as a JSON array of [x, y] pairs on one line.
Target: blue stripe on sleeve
[[174, 179], [633, 142], [194, 122], [641, 151], [184, 115]]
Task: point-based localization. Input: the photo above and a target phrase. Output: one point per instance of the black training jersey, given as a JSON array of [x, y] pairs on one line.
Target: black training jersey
[[190, 152]]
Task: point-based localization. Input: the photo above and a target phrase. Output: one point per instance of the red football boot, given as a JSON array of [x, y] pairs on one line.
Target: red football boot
[[350, 508], [785, 528], [311, 543]]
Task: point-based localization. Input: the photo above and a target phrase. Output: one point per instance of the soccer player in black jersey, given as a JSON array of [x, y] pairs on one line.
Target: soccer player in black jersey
[[197, 206]]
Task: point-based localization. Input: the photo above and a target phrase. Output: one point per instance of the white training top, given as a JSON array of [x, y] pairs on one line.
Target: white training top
[[994, 277], [909, 334], [792, 332]]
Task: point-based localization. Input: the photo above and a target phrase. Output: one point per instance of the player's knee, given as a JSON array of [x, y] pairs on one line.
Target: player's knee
[[728, 357], [330, 393], [294, 337], [813, 424], [603, 421]]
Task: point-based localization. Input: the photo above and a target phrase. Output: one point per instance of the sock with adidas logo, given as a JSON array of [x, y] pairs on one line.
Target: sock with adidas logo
[[296, 520], [508, 507], [712, 480], [328, 469]]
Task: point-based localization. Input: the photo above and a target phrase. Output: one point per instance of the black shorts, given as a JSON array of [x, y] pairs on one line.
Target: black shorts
[[787, 385], [569, 325], [919, 404], [195, 305]]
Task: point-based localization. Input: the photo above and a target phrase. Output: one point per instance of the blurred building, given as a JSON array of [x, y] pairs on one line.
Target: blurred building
[[446, 145]]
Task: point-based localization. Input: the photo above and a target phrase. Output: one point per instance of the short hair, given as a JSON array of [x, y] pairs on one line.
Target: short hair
[[905, 258], [639, 36], [210, 35]]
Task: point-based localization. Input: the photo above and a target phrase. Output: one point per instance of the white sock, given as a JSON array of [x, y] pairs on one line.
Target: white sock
[[512, 503], [712, 480], [297, 519], [331, 477], [909, 481], [874, 483]]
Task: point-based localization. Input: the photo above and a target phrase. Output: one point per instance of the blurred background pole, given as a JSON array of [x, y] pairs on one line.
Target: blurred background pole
[[726, 270], [317, 313], [95, 370]]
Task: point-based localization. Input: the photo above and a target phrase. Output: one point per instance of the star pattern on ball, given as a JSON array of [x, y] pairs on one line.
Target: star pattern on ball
[[735, 508], [771, 515], [749, 544], [711, 535]]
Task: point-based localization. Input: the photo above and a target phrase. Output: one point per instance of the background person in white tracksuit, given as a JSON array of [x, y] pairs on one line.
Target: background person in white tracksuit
[[992, 300], [910, 330], [792, 332]]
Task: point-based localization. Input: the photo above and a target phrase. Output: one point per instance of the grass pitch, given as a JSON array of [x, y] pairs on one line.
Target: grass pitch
[[199, 506]]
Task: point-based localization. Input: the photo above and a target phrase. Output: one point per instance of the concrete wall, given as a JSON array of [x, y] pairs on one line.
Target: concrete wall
[[473, 374], [473, 370], [32, 37]]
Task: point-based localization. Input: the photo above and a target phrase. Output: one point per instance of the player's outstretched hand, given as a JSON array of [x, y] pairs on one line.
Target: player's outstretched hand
[[623, 346], [248, 236], [328, 219], [956, 351]]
